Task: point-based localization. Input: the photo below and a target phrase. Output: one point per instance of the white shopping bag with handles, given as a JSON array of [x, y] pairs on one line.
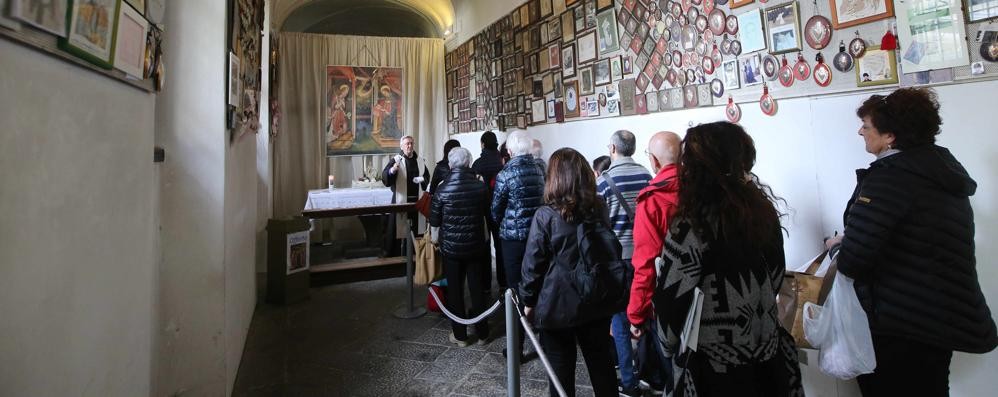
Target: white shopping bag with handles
[[842, 332]]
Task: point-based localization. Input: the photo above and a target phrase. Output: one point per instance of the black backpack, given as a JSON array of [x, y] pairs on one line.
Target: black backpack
[[600, 278]]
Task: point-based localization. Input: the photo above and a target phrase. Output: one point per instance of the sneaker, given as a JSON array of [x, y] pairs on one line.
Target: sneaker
[[655, 389], [458, 342], [629, 392]]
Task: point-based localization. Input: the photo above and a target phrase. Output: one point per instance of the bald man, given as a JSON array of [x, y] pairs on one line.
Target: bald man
[[655, 204]]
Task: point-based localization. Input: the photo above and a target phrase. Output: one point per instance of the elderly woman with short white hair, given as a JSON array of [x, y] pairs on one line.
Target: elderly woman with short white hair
[[458, 210], [402, 175]]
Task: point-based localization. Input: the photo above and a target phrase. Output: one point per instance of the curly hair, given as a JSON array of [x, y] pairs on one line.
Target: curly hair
[[911, 114], [571, 186], [719, 195]]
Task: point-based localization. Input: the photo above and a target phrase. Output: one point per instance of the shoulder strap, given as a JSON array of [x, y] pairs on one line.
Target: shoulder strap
[[620, 197]]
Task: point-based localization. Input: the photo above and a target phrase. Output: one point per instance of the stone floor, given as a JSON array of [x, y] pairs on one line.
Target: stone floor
[[344, 341]]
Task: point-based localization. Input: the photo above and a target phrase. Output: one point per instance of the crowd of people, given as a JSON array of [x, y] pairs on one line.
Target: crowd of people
[[701, 220]]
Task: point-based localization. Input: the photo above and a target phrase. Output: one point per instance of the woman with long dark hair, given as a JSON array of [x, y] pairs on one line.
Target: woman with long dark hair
[[443, 168], [547, 290], [726, 240]]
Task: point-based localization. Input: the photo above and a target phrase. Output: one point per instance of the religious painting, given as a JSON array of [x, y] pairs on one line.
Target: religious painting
[[91, 31], [247, 43], [48, 15], [606, 23], [847, 13], [363, 110]]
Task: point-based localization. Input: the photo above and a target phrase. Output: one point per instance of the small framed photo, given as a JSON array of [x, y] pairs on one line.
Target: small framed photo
[[601, 72], [847, 13], [568, 60], [876, 67], [750, 31], [130, 47], [739, 3], [628, 67], [234, 79], [752, 70], [546, 8], [547, 83], [91, 31], [729, 74], [783, 24], [616, 68], [538, 111], [587, 47], [607, 28], [586, 86], [567, 26], [551, 113], [559, 88], [554, 53], [603, 4]]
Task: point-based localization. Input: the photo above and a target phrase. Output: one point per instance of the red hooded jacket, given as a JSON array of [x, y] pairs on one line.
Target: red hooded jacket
[[656, 204]]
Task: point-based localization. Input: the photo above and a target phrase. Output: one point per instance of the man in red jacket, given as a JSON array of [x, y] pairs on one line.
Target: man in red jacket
[[656, 203]]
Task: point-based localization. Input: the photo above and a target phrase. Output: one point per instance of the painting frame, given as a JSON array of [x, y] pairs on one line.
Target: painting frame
[[568, 60], [777, 34], [738, 3], [364, 109], [545, 8], [839, 22], [991, 11], [77, 44], [751, 63], [233, 80], [603, 4], [130, 49], [6, 16], [57, 26], [751, 31], [884, 58], [586, 83], [571, 99], [609, 37], [601, 72], [925, 36], [616, 68], [567, 27], [586, 47]]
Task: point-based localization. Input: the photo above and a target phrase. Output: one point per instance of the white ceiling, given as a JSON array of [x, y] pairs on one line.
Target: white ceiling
[[438, 12]]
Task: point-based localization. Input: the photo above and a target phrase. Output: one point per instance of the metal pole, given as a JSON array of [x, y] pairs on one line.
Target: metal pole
[[512, 348], [409, 311]]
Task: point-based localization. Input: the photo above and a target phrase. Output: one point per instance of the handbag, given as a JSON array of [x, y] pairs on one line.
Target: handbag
[[799, 288], [429, 265], [423, 204]]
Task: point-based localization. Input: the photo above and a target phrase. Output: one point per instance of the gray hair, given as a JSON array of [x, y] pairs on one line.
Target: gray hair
[[623, 140], [402, 139], [519, 143], [536, 149], [458, 157]]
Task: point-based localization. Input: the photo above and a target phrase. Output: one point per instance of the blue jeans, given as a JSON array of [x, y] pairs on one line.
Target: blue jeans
[[621, 329]]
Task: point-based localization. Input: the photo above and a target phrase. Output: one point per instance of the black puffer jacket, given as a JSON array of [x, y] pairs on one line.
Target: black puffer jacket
[[459, 208], [551, 256], [488, 165], [909, 244], [439, 173], [518, 193]]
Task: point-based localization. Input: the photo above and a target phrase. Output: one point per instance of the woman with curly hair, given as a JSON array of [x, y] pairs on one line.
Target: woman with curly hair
[[726, 240], [909, 245]]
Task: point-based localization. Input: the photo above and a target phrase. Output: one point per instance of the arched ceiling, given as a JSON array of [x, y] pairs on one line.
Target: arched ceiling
[[398, 18]]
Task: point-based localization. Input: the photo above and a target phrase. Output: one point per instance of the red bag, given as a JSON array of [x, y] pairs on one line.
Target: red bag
[[423, 204], [439, 287]]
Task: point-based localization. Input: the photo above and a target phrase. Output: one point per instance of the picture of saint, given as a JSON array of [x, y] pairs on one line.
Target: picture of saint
[[338, 123], [363, 110]]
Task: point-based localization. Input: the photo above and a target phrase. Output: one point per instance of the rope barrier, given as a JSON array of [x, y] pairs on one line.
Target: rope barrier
[[459, 320]]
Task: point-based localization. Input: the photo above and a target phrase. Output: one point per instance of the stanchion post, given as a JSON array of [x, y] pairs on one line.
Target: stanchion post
[[409, 311], [512, 352]]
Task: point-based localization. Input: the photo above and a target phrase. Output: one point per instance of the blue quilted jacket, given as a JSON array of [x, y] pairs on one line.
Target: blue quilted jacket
[[518, 193]]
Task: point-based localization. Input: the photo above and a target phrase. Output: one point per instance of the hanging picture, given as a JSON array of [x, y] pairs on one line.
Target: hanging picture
[[568, 60], [233, 80], [606, 26], [587, 47], [5, 15], [739, 3], [586, 86], [979, 10], [567, 27], [616, 68], [554, 53], [139, 5], [876, 67], [752, 70], [753, 38], [729, 74], [130, 50], [783, 24], [571, 97], [933, 33], [538, 111], [847, 13], [47, 15], [559, 89], [363, 110], [601, 72], [91, 31], [545, 8]]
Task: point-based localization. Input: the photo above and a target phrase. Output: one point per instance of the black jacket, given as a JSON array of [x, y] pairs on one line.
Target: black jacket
[[412, 171], [439, 173], [519, 191], [459, 208], [552, 253], [488, 165], [909, 244]]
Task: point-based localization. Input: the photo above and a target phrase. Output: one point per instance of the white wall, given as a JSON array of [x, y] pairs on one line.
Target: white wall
[[77, 241]]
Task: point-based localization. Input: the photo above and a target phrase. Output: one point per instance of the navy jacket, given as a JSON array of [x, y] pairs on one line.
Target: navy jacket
[[459, 209], [909, 244], [519, 191], [488, 165]]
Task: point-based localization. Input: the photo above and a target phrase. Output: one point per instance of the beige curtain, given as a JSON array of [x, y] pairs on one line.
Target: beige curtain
[[300, 161]]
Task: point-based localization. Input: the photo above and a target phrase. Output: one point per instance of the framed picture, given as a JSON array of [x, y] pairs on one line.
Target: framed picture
[[586, 86], [934, 40], [750, 31], [554, 29], [234, 79], [739, 3], [579, 14], [783, 24], [980, 10], [547, 83], [628, 64], [52, 19], [545, 8], [525, 15], [558, 6], [550, 106], [130, 50], [6, 21], [559, 88], [139, 5], [603, 4], [847, 13], [592, 108], [538, 111], [606, 23], [567, 26], [601, 72], [587, 47], [876, 67], [545, 31], [729, 74], [571, 98], [516, 18], [590, 6], [91, 31], [568, 60], [544, 59], [554, 53], [752, 70], [616, 68]]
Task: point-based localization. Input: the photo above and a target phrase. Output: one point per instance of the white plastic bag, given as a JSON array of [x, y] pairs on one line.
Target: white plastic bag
[[840, 329]]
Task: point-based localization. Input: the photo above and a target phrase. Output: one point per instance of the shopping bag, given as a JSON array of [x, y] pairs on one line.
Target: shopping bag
[[841, 331], [799, 288], [429, 263], [439, 287]]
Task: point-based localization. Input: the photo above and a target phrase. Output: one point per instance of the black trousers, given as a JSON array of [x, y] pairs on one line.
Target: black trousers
[[907, 368], [500, 270], [559, 345], [457, 270], [512, 255]]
